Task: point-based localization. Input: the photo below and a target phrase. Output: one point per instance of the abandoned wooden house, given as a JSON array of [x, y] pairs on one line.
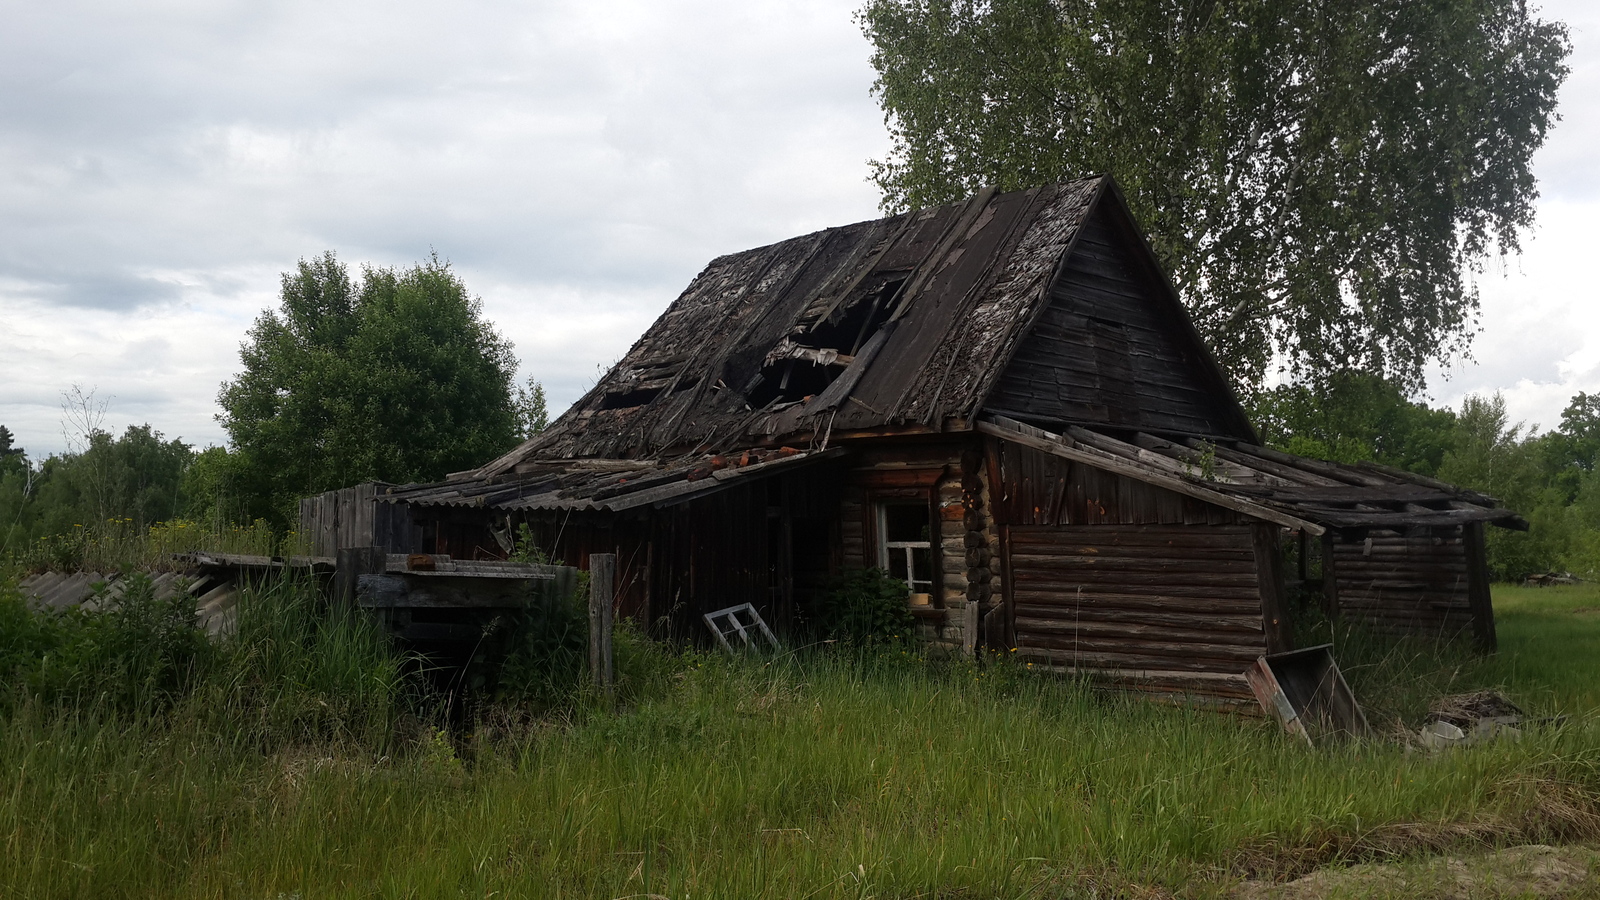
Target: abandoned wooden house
[[1002, 402]]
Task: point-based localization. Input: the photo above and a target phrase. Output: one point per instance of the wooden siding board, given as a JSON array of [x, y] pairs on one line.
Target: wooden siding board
[[1418, 585], [1109, 596], [1102, 354]]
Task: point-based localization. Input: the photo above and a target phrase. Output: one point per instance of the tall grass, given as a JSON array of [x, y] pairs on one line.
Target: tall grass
[[295, 670], [833, 775], [119, 545]]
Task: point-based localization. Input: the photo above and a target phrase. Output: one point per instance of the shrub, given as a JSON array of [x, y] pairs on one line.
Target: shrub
[[867, 606], [545, 649], [128, 651]]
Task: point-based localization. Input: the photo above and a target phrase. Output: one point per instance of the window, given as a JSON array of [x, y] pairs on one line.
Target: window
[[905, 544]]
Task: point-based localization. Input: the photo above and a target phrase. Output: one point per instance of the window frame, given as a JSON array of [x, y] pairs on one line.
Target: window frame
[[877, 533], [887, 547]]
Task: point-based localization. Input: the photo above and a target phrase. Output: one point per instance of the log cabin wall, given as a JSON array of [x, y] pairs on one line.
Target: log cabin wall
[[929, 471], [1148, 588], [1412, 584]]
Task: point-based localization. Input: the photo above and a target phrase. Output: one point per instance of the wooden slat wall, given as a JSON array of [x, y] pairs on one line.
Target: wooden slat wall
[[1172, 609], [344, 518], [570, 539], [1105, 351], [1039, 489], [1402, 584], [710, 554]]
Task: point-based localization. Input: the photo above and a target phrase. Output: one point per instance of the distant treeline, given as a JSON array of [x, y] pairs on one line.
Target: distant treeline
[[1547, 476], [397, 377]]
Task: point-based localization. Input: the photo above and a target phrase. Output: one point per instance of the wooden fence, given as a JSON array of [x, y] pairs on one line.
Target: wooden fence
[[354, 517]]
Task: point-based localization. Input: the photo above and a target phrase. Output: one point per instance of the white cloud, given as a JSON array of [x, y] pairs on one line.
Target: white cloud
[[162, 162]]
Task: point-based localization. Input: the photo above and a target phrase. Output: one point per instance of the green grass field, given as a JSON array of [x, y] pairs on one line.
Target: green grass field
[[809, 778]]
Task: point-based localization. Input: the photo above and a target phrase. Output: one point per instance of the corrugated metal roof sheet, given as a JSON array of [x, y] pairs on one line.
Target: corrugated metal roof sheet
[[581, 484], [216, 599]]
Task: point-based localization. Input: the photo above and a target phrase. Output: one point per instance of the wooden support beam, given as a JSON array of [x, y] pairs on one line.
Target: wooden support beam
[[1483, 631], [1274, 602], [416, 591], [602, 596], [1330, 580]]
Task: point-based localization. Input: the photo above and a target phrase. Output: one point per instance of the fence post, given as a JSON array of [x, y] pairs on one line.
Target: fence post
[[602, 591], [351, 564]]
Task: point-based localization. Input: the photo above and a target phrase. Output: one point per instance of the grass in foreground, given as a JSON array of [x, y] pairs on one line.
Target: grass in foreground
[[812, 777]]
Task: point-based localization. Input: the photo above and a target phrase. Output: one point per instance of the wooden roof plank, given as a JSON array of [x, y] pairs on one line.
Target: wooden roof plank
[[1058, 445]]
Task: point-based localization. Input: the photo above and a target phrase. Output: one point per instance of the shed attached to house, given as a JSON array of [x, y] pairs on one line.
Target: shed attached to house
[[1002, 402]]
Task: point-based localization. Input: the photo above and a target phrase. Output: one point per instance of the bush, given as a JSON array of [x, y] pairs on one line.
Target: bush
[[129, 651], [546, 649], [867, 606]]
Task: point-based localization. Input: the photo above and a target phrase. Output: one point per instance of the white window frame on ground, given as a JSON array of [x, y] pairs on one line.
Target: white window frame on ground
[[886, 548]]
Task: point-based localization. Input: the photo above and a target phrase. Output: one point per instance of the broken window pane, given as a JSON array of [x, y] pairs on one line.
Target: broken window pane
[[905, 545]]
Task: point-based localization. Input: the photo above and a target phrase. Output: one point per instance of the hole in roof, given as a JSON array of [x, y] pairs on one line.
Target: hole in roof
[[802, 365], [629, 399]]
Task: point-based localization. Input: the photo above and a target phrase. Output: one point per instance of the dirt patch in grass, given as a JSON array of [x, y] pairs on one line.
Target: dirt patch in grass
[[1535, 870]]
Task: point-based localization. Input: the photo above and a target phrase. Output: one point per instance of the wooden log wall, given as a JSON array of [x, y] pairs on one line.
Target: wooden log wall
[[1165, 608], [1413, 584], [1134, 584]]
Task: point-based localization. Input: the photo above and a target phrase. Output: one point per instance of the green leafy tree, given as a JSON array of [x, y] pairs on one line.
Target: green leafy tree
[[395, 378], [1317, 176], [219, 489], [10, 454], [1493, 455], [16, 490], [533, 414], [1353, 417], [1571, 451], [137, 477]]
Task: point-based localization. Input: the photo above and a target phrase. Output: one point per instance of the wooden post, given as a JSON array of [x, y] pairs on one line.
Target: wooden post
[[1269, 578], [1483, 632], [602, 591], [1330, 579]]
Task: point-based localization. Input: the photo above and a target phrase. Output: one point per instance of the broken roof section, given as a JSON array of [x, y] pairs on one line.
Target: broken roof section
[[1043, 306], [901, 324], [1309, 494], [609, 485]]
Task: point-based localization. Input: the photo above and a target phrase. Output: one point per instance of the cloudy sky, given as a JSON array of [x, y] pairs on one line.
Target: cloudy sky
[[162, 162]]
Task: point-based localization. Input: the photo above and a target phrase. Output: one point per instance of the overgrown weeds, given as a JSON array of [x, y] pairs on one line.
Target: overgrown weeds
[[122, 545], [295, 670], [844, 772]]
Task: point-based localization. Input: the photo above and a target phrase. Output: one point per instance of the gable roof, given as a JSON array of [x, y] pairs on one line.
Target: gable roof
[[1046, 306], [898, 325]]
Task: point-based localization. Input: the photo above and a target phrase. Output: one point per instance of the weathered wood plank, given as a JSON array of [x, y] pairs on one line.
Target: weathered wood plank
[[1049, 443]]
